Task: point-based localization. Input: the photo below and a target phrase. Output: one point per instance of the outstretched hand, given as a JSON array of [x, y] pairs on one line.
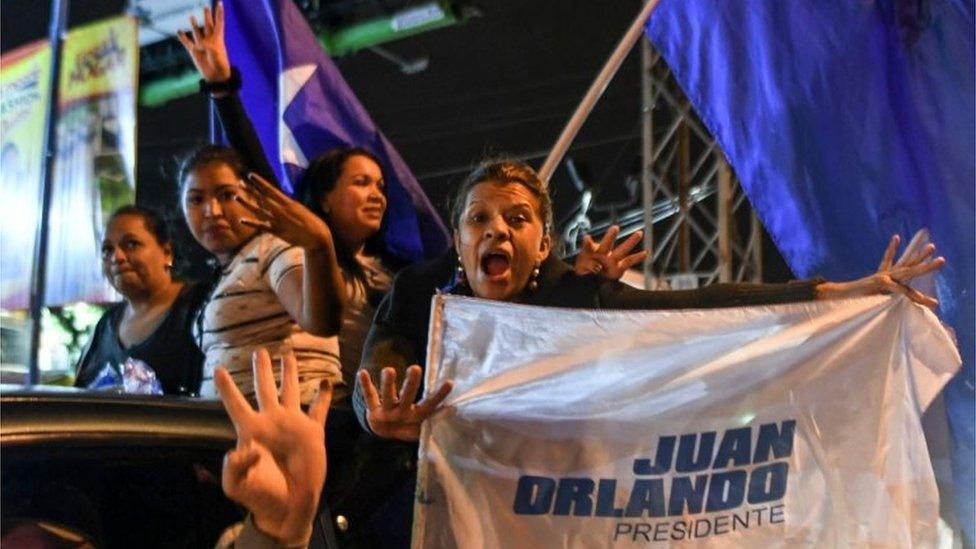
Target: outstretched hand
[[395, 415], [606, 260], [284, 217], [277, 469], [205, 44], [893, 277]]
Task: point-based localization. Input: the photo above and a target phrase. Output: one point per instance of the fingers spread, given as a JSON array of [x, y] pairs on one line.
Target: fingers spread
[[264, 383], [238, 408], [429, 405], [633, 259], [263, 225], [889, 254], [266, 189], [927, 267], [408, 393], [588, 243], [290, 392], [208, 24], [895, 287], [370, 394], [918, 240], [219, 19], [608, 239], [627, 245], [388, 387], [253, 206], [917, 257], [186, 41], [197, 29]]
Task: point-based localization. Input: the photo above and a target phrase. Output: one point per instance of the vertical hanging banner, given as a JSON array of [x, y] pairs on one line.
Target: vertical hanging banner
[[95, 165], [775, 426], [24, 81]]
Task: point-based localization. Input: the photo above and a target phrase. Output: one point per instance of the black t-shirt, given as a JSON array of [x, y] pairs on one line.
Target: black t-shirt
[[170, 350]]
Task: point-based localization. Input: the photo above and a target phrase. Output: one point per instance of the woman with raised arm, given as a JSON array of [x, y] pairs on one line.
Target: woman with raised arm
[[346, 188]]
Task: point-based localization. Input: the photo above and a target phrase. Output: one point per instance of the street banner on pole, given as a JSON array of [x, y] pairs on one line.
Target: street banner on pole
[[95, 164], [23, 118], [775, 426]]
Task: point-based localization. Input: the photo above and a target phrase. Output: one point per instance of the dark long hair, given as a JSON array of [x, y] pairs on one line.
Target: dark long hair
[[318, 180]]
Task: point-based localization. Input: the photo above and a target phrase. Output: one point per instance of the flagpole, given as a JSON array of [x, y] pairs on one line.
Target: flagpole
[[597, 88], [59, 21]]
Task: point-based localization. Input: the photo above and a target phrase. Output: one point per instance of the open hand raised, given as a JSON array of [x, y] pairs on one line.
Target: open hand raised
[[395, 415], [277, 469]]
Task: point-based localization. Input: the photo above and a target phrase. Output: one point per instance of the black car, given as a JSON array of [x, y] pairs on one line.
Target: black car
[[112, 470]]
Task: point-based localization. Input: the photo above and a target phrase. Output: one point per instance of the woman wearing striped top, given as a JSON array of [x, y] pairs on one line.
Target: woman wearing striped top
[[343, 186], [279, 285]]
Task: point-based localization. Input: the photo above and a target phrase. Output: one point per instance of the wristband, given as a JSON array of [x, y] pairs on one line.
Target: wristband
[[232, 84]]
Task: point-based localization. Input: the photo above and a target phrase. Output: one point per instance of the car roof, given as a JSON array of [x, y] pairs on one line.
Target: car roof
[[60, 416]]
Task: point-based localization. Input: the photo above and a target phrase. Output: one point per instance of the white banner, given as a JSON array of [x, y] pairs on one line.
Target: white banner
[[777, 426]]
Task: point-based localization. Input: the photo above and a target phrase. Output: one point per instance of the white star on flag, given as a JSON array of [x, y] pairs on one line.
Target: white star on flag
[[290, 83]]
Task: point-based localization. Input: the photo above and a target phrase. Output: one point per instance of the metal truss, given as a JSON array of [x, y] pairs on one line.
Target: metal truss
[[713, 234]]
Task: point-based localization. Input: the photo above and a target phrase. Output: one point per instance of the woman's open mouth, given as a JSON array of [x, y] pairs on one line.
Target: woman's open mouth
[[496, 265]]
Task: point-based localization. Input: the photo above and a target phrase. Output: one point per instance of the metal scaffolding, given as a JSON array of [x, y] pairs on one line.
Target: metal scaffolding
[[713, 234]]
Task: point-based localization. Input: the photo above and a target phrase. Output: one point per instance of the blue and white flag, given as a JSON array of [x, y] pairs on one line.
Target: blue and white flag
[[780, 426], [301, 107], [847, 121]]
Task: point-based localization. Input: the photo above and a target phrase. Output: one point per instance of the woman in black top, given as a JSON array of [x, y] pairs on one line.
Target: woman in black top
[[154, 322]]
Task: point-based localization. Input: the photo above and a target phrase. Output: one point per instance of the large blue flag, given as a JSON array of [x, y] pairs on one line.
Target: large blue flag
[[847, 121], [301, 106]]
